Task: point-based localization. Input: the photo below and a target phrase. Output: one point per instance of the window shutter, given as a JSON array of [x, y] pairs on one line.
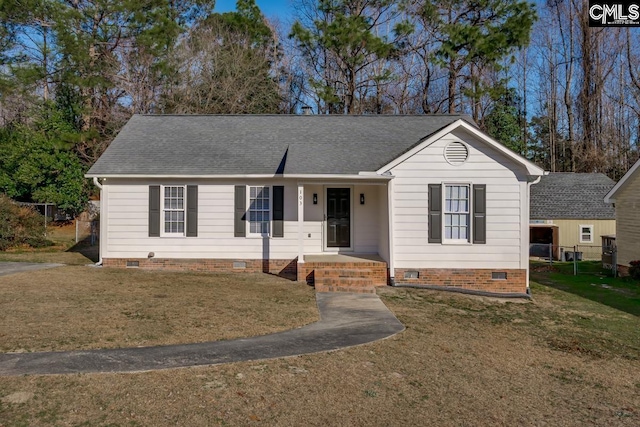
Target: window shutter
[[480, 213], [278, 211], [154, 211], [435, 213], [240, 211], [192, 211]]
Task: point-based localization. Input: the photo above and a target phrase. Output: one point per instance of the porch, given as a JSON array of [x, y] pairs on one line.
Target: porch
[[360, 273]]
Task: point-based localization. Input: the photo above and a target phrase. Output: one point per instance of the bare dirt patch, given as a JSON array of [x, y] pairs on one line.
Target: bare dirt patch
[[78, 307], [461, 362]]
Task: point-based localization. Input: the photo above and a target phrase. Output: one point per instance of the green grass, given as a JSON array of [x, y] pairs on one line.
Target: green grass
[[592, 282]]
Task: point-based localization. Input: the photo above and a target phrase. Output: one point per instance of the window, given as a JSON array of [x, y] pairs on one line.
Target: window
[[173, 208], [586, 234], [259, 210], [456, 212]]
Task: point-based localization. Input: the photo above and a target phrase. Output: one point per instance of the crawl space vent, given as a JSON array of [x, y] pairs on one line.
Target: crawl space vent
[[412, 274], [456, 153], [133, 264], [499, 275]]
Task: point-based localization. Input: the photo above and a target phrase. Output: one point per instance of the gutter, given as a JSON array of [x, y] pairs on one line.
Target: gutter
[[363, 177]]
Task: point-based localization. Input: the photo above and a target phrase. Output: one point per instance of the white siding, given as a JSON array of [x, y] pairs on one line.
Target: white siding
[[505, 188], [365, 219], [127, 231], [383, 220]]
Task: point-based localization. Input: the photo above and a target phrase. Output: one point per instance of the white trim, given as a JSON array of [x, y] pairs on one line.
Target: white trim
[[104, 219], [611, 195], [468, 240], [531, 168], [390, 222], [357, 177], [580, 227], [248, 233], [162, 209], [325, 225], [300, 204]]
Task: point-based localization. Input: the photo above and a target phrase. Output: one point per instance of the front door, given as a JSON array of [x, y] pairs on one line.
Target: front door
[[338, 217]]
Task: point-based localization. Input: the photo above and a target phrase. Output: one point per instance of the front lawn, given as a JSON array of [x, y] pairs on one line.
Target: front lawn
[[79, 307], [559, 360]]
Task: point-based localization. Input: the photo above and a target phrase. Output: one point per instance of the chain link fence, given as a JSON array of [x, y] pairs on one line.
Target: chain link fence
[[579, 259], [87, 232]]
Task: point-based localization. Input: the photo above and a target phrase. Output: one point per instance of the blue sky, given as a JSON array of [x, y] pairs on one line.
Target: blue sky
[[269, 8]]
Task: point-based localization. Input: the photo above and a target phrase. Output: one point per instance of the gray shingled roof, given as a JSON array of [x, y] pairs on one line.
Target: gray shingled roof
[[569, 195], [256, 144]]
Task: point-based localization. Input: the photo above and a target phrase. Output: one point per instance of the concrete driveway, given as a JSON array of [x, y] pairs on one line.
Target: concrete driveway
[[345, 320], [20, 267]]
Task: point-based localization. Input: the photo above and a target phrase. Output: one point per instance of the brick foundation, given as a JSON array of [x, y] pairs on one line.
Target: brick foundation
[[471, 279], [280, 267]]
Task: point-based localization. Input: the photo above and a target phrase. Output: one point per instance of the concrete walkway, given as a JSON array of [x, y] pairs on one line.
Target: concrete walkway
[[19, 267], [345, 320]]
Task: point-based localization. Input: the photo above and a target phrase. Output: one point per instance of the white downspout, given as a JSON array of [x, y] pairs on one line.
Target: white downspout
[[103, 218], [526, 245]]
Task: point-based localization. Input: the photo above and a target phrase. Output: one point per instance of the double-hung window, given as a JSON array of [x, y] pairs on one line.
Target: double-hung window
[[259, 210], [174, 210], [456, 212], [586, 233]]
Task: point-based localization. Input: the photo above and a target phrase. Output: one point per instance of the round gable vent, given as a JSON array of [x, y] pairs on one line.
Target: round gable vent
[[456, 153]]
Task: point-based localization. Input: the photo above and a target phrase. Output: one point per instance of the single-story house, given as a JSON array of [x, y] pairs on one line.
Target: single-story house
[[626, 197], [340, 201], [567, 211]]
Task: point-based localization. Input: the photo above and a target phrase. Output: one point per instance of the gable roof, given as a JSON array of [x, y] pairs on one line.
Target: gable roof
[[234, 145], [257, 144], [611, 195], [567, 195]]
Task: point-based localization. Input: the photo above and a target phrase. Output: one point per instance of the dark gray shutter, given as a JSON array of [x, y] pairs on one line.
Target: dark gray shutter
[[435, 213], [240, 211], [278, 211], [480, 213], [154, 211], [192, 211]]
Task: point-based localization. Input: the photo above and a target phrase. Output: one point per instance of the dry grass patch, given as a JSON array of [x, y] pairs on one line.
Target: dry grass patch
[[77, 307], [64, 251], [463, 361]]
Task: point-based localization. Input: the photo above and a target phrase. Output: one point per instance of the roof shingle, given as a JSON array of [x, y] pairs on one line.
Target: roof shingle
[[256, 144], [567, 195]]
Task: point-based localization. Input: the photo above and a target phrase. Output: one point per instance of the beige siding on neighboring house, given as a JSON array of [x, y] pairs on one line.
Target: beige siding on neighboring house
[[628, 221], [506, 197], [569, 233]]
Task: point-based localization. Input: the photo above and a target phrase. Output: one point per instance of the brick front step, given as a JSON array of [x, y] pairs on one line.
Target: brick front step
[[343, 272], [345, 281], [357, 289]]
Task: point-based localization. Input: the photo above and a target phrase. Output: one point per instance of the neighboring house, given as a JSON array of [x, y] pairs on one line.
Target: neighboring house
[[568, 210], [626, 197], [340, 200]]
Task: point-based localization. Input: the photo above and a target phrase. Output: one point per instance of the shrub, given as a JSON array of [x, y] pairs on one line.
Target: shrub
[[634, 270], [20, 225]]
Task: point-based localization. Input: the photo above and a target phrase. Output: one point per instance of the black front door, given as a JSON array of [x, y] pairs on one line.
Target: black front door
[[338, 217]]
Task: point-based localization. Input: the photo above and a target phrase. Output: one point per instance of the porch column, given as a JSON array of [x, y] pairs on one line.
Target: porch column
[[390, 222], [300, 223]]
